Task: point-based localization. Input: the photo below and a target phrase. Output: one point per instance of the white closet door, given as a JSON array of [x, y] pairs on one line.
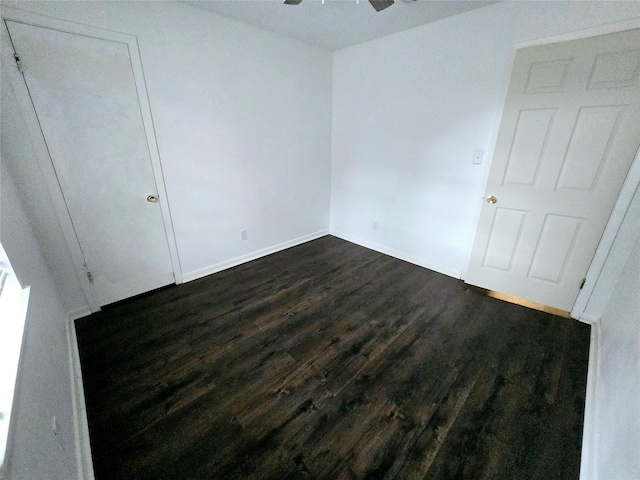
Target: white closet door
[[85, 98]]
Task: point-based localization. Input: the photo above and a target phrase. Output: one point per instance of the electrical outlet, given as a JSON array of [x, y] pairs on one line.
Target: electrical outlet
[[243, 235], [477, 157], [374, 225]]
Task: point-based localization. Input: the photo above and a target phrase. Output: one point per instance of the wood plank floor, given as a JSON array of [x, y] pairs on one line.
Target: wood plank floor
[[331, 361]]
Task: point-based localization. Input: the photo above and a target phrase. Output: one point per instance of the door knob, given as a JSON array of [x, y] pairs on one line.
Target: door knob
[[151, 198], [491, 199]]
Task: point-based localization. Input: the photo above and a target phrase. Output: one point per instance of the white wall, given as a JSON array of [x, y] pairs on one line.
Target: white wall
[[408, 112], [613, 424], [619, 387], [243, 124], [43, 388]]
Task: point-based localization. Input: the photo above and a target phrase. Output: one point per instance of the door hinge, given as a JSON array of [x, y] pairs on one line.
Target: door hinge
[[90, 277], [18, 63], [584, 280]]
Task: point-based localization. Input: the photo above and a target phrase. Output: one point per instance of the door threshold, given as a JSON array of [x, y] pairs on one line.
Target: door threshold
[[522, 302]]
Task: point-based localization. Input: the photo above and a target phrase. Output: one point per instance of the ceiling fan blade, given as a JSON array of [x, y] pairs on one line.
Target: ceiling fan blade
[[381, 4], [292, 2]]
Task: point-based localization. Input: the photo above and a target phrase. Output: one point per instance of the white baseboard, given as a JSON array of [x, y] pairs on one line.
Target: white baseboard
[[80, 424], [218, 267], [422, 262], [589, 458], [77, 313], [589, 319]]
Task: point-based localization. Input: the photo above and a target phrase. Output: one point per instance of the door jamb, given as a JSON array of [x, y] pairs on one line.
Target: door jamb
[[27, 109], [44, 160], [633, 177], [617, 218]]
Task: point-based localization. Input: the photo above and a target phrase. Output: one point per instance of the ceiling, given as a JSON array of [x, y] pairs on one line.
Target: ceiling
[[336, 24]]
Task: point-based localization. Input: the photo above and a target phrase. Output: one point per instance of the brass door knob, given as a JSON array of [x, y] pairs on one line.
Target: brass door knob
[[151, 198], [491, 199]]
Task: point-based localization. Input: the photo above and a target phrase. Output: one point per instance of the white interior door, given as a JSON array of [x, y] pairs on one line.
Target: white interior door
[[85, 98], [569, 132]]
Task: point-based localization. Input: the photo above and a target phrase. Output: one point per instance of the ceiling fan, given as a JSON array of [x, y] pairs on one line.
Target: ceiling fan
[[377, 4]]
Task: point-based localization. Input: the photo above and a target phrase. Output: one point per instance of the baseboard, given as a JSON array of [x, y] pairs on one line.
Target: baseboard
[[399, 254], [589, 319], [77, 313], [589, 456], [218, 267], [81, 427]]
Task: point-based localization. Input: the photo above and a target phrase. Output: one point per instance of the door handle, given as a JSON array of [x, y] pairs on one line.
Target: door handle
[[492, 199], [152, 198]]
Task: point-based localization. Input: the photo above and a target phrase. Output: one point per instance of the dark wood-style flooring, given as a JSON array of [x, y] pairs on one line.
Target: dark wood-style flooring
[[331, 361]]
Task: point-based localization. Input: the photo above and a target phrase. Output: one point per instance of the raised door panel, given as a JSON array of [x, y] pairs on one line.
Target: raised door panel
[[554, 248], [527, 149], [504, 239], [594, 132]]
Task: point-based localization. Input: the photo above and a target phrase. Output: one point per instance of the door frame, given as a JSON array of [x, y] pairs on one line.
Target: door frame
[[44, 159], [626, 193]]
